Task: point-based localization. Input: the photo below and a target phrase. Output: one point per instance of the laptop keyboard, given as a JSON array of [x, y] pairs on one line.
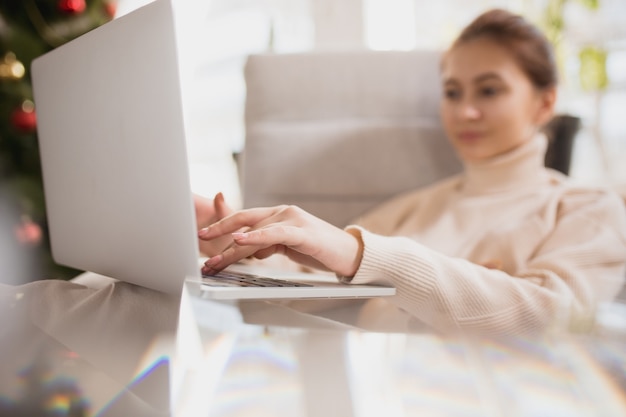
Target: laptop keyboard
[[240, 279]]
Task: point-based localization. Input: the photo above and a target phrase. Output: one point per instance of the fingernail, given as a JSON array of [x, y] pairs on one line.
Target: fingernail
[[203, 232], [239, 235]]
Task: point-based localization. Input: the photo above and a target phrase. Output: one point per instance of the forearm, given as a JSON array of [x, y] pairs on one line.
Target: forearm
[[448, 293]]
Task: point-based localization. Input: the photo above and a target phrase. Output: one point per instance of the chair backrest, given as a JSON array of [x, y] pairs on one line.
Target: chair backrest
[[339, 132], [561, 132]]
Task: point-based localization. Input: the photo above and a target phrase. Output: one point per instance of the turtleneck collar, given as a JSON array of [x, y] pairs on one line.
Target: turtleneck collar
[[522, 166]]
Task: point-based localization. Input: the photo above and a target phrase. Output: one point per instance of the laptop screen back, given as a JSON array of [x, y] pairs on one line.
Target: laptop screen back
[[111, 133]]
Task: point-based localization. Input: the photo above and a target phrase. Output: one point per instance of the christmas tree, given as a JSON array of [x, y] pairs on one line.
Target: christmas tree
[[29, 28]]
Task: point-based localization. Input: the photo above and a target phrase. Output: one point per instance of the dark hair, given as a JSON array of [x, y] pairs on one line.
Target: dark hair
[[529, 46]]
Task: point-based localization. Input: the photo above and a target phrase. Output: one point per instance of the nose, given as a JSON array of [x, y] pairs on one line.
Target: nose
[[469, 111]]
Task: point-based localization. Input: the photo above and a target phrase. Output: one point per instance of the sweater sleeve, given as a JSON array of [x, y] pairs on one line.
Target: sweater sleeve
[[579, 264]]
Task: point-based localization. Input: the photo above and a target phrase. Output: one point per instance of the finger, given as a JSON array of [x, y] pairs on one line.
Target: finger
[[221, 208], [236, 221], [298, 251], [272, 235], [261, 250], [229, 256]]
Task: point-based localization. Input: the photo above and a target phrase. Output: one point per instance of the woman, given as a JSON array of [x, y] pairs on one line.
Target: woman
[[506, 246]]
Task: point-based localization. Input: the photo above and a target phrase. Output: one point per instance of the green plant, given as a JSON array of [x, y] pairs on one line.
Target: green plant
[[592, 58]]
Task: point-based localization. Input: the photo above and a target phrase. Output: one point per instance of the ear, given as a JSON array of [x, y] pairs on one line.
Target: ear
[[547, 101]]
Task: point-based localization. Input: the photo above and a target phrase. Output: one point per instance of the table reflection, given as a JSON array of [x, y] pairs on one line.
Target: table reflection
[[71, 350], [329, 369], [74, 350]]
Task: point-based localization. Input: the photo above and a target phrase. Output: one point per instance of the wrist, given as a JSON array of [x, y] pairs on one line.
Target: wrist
[[355, 261]]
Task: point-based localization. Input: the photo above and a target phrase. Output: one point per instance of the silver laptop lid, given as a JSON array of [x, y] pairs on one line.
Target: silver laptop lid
[[114, 160]]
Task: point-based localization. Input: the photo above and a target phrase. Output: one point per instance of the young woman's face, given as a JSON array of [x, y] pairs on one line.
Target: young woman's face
[[489, 105]]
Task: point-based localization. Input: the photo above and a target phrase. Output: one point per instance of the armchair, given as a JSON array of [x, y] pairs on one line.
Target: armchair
[[336, 133]]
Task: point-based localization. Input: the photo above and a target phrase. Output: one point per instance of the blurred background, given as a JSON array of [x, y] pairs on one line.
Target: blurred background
[[216, 36]]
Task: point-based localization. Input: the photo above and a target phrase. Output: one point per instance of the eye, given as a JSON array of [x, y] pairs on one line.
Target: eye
[[489, 91], [452, 93]]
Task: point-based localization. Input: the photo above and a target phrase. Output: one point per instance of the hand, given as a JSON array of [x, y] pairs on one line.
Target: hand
[[209, 211], [288, 230]]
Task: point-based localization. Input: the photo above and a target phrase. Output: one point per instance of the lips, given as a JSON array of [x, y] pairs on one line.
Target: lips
[[469, 136]]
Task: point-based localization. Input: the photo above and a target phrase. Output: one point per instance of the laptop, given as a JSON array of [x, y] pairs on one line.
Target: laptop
[[114, 162]]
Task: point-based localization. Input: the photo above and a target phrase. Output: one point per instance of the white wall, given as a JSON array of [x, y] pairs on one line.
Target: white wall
[[219, 34]]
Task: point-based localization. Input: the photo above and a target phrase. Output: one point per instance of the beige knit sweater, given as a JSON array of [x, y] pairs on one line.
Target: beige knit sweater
[[507, 246]]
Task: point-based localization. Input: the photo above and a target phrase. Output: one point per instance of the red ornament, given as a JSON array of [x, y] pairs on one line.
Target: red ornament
[[24, 118], [72, 6], [28, 233]]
